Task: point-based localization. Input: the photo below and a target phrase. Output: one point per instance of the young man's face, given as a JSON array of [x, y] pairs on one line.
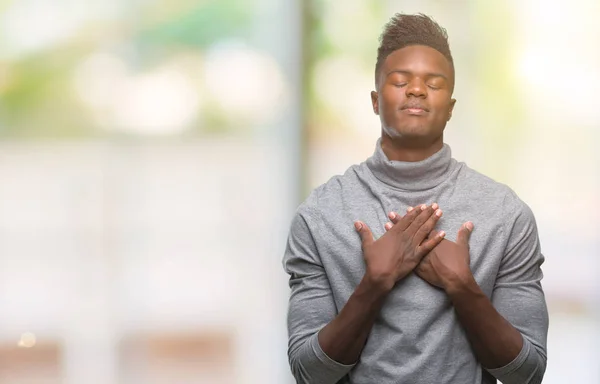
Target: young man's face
[[414, 98]]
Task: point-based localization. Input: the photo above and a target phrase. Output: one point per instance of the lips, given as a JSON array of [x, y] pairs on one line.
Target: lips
[[416, 109]]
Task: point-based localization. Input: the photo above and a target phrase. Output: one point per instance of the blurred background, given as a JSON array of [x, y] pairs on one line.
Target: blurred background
[[153, 152]]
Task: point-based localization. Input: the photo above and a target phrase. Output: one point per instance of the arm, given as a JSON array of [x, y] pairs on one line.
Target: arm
[[509, 350], [507, 333], [345, 336], [311, 305], [323, 346], [494, 340], [518, 297]]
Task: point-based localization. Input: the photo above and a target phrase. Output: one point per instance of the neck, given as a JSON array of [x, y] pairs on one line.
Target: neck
[[417, 175], [401, 149]]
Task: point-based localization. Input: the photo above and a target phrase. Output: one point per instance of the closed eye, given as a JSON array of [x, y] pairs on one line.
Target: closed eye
[[400, 85]]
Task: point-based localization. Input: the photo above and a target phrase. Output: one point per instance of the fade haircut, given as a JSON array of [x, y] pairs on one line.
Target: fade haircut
[[404, 30]]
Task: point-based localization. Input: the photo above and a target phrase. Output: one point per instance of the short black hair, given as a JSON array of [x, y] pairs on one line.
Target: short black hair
[[404, 30]]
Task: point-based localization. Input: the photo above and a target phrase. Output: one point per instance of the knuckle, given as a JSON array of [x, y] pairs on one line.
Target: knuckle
[[420, 220], [422, 232]]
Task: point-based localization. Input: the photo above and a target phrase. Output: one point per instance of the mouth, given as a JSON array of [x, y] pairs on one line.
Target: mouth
[[415, 110]]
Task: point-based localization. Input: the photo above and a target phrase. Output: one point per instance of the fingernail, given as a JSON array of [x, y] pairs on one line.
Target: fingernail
[[388, 225], [442, 234], [409, 209], [469, 226], [392, 215], [438, 213], [434, 206], [358, 226], [423, 207]]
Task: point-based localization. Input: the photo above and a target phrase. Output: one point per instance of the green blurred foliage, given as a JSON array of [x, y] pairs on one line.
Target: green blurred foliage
[[359, 40], [196, 26], [37, 99]]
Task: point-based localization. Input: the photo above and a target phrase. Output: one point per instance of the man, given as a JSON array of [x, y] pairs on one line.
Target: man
[[449, 292]]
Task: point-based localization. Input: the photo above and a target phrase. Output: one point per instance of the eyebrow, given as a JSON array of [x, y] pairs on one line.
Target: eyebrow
[[409, 73]]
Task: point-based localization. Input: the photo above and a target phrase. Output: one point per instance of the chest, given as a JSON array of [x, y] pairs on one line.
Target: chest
[[341, 253]]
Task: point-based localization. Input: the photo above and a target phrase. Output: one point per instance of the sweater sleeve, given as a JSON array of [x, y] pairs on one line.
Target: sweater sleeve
[[518, 296], [311, 304]]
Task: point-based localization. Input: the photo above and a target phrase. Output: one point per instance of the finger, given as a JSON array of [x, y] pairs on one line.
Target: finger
[[427, 227], [431, 234], [388, 226], [366, 236], [423, 216], [409, 218], [394, 217], [428, 245], [464, 233], [434, 206]]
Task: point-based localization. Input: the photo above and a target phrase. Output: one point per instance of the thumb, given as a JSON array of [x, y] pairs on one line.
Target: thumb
[[365, 233], [464, 233]]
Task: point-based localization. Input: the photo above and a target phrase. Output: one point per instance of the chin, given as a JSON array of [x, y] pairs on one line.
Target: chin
[[410, 131]]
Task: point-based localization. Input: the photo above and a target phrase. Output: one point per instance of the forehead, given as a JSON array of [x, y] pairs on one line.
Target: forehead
[[418, 59]]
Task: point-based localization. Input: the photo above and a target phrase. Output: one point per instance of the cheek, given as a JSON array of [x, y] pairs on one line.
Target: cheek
[[442, 113], [442, 109], [390, 100]]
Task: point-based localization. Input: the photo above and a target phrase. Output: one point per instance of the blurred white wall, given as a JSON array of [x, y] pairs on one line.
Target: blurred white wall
[[102, 243]]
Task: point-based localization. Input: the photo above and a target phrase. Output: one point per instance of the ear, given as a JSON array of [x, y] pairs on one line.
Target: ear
[[374, 102], [452, 102]]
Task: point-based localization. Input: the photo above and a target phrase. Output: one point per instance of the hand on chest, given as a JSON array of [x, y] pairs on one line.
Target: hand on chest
[[471, 239]]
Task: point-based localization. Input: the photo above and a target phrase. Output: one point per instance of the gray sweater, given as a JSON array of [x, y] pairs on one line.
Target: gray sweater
[[417, 338]]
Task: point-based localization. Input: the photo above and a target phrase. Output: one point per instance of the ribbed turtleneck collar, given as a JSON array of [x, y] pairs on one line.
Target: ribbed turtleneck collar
[[412, 176]]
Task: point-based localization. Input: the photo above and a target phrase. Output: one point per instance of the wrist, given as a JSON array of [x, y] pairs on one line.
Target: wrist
[[460, 283], [377, 287]]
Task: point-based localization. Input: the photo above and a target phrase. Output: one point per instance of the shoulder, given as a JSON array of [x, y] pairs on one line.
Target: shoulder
[[515, 216], [494, 193], [520, 219], [498, 202], [307, 214], [482, 185], [335, 191], [328, 198]]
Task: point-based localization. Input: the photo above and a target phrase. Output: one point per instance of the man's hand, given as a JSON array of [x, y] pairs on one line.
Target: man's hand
[[395, 254], [448, 262]]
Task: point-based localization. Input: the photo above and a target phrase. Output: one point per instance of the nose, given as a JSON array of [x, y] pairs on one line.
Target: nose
[[416, 88]]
